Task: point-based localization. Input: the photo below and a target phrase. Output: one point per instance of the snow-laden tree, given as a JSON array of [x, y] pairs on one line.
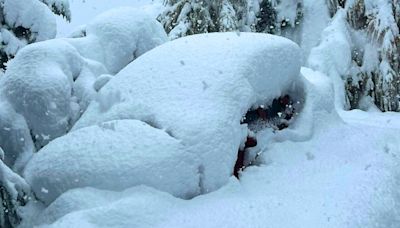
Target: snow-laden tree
[[187, 17], [27, 21], [374, 30], [14, 192], [274, 16]]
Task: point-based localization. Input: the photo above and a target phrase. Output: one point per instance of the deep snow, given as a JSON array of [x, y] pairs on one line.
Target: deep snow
[[199, 96], [331, 168], [330, 178]]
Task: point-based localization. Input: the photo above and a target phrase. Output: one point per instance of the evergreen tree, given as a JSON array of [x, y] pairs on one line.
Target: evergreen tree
[[14, 192], [379, 78], [187, 17], [27, 21]]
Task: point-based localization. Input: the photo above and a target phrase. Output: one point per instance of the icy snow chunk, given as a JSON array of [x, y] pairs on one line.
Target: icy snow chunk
[[113, 155], [202, 101]]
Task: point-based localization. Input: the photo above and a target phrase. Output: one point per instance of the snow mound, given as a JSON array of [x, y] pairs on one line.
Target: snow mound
[[200, 91], [114, 155], [117, 37], [55, 79], [38, 84], [136, 207]]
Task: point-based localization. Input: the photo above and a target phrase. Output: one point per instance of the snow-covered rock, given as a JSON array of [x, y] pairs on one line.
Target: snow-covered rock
[[200, 91], [114, 155], [51, 83]]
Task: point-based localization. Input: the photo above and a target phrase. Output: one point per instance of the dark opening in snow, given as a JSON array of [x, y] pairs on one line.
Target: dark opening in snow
[[277, 116]]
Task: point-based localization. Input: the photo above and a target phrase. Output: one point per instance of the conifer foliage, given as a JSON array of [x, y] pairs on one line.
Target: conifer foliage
[[376, 64], [187, 17]]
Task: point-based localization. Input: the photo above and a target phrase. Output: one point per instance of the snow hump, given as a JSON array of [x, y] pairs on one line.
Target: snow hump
[[114, 156], [199, 92]]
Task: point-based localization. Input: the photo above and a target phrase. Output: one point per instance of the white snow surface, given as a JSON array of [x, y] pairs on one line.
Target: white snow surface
[[118, 36], [83, 11], [327, 59], [343, 174], [51, 83], [30, 14], [114, 155], [199, 96]]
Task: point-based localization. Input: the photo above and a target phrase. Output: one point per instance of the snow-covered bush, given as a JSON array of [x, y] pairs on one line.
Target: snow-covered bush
[[187, 17], [275, 16], [199, 97], [14, 192], [15, 138], [27, 21], [51, 83]]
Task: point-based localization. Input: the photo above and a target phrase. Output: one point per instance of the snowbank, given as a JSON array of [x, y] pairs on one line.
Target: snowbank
[[114, 155], [51, 83], [199, 92]]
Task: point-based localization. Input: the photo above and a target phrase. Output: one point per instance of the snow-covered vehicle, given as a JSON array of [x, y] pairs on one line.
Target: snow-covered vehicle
[[192, 92]]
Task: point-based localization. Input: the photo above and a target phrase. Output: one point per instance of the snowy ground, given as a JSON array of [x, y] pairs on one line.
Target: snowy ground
[[346, 175]]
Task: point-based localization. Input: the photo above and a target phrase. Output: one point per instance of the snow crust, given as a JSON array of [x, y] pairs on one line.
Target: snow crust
[[199, 96]]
